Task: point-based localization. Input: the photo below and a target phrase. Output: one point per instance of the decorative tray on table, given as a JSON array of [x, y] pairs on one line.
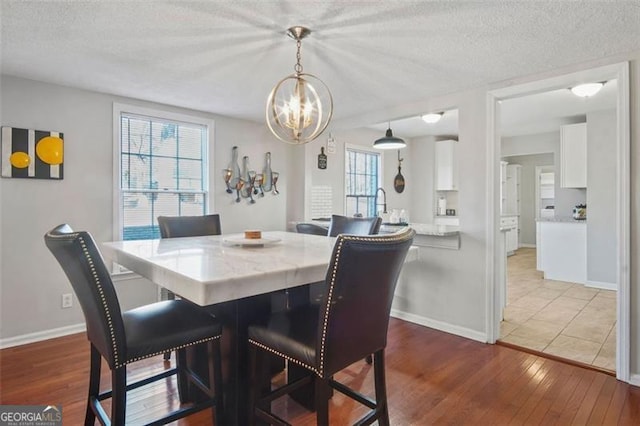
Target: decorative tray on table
[[240, 240]]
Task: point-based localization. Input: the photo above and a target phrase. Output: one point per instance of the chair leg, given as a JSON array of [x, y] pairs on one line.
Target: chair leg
[[170, 296], [215, 378], [381, 387], [119, 395], [322, 393], [94, 385], [182, 379], [253, 384]]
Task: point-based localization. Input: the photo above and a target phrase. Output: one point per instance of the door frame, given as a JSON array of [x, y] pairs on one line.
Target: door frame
[[495, 268]]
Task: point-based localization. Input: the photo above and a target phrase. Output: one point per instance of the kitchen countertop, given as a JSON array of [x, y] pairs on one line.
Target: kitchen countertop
[[427, 234], [561, 219], [429, 229], [426, 229]]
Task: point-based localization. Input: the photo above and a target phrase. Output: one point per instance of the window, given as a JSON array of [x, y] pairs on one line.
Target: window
[[362, 169], [162, 165]]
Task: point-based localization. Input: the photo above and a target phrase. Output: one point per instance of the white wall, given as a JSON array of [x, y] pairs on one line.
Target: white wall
[[32, 281], [634, 112], [421, 154], [601, 197], [446, 288], [334, 174]]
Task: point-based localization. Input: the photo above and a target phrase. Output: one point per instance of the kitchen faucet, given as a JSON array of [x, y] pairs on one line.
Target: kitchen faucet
[[384, 197]]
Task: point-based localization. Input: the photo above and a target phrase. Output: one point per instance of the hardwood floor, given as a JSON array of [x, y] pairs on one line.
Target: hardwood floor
[[432, 378]]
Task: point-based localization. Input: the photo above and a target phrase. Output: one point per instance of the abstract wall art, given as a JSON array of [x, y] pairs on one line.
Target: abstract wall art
[[34, 154]]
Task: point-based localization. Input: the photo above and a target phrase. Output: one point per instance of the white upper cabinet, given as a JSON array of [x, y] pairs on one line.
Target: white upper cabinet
[[446, 165], [512, 196], [573, 156]]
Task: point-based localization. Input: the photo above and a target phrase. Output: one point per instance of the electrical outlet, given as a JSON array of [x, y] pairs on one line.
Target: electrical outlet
[[67, 300]]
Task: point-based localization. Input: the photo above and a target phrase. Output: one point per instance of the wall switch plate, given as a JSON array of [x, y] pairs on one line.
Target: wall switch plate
[[67, 300]]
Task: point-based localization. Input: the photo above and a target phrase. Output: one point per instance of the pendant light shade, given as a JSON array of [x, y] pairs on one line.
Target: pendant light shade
[[300, 105], [389, 141]]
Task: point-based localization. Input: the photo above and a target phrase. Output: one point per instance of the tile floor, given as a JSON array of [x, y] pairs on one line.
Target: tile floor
[[560, 318]]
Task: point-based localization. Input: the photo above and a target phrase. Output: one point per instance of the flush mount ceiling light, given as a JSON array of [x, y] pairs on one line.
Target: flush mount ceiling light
[[432, 117], [587, 90], [389, 141], [300, 105]]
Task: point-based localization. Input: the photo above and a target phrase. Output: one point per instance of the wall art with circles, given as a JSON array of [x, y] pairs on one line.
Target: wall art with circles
[[34, 154]]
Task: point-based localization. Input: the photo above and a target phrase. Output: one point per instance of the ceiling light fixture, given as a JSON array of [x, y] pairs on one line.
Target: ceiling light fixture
[[586, 90], [432, 117], [300, 105], [389, 141]]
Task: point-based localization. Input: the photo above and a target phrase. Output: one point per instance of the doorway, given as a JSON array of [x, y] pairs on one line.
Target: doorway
[[619, 212]]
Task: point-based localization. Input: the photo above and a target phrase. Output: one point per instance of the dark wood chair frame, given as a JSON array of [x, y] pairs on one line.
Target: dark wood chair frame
[[321, 377], [81, 261]]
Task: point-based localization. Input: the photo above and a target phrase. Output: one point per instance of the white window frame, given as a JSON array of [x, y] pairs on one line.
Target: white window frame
[[118, 110], [367, 150]]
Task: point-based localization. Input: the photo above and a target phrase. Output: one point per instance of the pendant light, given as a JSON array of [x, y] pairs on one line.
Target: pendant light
[[300, 105], [389, 141]]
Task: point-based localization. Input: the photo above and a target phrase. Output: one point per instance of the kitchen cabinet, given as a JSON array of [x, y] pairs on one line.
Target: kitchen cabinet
[[512, 196], [509, 224], [562, 250], [446, 165], [503, 187], [546, 193], [446, 220], [573, 156]]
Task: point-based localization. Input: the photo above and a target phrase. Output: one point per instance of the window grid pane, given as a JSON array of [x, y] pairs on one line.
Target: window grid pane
[[362, 170], [162, 172]]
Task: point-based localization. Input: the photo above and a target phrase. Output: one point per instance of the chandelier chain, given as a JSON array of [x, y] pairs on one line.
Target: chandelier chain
[[298, 66]]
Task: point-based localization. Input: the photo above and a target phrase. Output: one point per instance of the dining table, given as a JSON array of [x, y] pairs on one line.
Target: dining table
[[241, 281]]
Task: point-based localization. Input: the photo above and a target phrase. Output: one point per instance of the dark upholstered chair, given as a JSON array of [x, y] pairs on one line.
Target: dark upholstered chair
[[122, 338], [189, 226], [349, 324], [354, 225], [186, 226], [311, 228]]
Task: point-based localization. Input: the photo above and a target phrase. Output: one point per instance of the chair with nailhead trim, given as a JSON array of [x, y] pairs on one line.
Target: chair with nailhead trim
[[355, 226], [186, 226], [350, 323], [122, 338]]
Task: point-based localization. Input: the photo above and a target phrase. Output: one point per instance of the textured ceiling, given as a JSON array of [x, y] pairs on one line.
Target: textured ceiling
[[225, 56]]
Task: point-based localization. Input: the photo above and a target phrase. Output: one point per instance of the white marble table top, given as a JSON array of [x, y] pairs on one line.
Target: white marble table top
[[207, 270]]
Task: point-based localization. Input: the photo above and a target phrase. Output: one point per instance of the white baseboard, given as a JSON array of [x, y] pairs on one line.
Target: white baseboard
[[41, 335], [601, 285], [439, 325], [634, 380], [527, 246]]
